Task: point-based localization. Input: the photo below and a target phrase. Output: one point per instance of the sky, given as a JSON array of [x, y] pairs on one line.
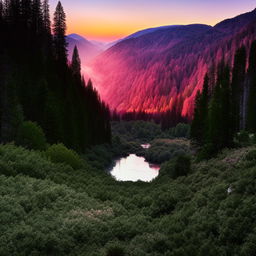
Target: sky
[[108, 20]]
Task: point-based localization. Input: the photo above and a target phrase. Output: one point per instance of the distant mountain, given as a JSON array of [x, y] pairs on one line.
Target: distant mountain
[[87, 49], [156, 69], [105, 45], [149, 30], [101, 45]]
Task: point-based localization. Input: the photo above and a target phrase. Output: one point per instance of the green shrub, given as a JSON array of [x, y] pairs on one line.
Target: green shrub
[[6, 169], [207, 152], [182, 166], [164, 203], [115, 250], [243, 138], [175, 168], [58, 153], [31, 136], [180, 131], [251, 156], [161, 151]]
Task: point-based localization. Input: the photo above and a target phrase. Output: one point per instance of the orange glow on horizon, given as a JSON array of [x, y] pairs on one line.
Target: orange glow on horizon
[[108, 20]]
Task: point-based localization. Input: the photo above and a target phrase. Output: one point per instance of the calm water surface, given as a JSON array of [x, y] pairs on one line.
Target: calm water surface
[[145, 146], [134, 168]]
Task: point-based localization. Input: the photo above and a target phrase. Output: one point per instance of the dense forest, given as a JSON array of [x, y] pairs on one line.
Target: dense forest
[[225, 109], [41, 92]]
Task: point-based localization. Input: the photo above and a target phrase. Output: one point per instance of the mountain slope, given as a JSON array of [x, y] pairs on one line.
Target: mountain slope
[[155, 71], [87, 49]]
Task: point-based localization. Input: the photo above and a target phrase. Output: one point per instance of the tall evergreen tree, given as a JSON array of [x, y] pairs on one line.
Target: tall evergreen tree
[[26, 16], [223, 81], [251, 116], [199, 124], [196, 134], [47, 36], [76, 63], [59, 33], [11, 112], [37, 17], [215, 121], [12, 14], [1, 11], [237, 89], [212, 117], [46, 17]]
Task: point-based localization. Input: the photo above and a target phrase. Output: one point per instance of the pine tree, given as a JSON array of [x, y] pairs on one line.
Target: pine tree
[[11, 112], [226, 134], [76, 63], [26, 13], [251, 116], [47, 36], [196, 135], [215, 121], [1, 22], [1, 11], [37, 17], [46, 17], [237, 89], [219, 134], [200, 122], [204, 108], [59, 31], [12, 13]]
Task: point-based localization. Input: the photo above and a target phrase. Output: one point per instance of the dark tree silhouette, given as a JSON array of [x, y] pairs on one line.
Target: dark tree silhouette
[[59, 31], [199, 124], [46, 17], [237, 87], [251, 121], [36, 83], [76, 63], [231, 107]]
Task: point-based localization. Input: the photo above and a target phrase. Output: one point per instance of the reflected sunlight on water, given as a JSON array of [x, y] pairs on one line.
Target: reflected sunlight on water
[[134, 168]]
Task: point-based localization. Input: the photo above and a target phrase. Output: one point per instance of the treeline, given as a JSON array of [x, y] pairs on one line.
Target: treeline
[[227, 105], [168, 119], [38, 84]]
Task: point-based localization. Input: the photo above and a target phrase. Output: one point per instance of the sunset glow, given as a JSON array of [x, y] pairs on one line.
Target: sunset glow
[[108, 20]]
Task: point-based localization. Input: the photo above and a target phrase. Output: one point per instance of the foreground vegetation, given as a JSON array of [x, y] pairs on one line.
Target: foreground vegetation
[[51, 206]]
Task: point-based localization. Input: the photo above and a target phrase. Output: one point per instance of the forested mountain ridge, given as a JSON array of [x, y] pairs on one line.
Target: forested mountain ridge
[[38, 84], [159, 70]]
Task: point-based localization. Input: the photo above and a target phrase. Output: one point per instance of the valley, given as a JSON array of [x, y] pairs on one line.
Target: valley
[[160, 69], [137, 145]]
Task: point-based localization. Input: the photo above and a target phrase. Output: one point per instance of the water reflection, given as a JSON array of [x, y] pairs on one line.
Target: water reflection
[[145, 146], [134, 168]]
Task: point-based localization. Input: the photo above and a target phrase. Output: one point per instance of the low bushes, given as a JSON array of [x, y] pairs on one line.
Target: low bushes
[[58, 153], [163, 151], [115, 249], [31, 136], [87, 213], [181, 166]]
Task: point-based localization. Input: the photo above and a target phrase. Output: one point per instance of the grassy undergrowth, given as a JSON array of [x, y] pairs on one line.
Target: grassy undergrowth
[[49, 208]]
